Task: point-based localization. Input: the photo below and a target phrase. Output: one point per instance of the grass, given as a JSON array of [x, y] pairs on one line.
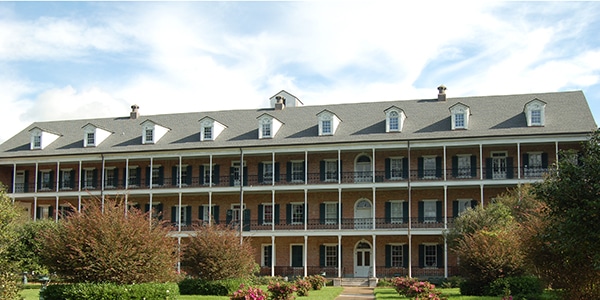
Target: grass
[[454, 294], [327, 293]]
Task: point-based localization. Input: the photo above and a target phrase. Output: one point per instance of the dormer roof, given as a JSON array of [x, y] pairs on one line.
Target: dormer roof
[[157, 132]]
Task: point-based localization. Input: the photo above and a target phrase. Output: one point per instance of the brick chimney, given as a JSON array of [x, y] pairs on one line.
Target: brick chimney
[[280, 104], [441, 93], [134, 112]]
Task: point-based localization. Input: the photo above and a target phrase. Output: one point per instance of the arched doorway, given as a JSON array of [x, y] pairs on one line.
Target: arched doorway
[[363, 171], [362, 259], [363, 214]]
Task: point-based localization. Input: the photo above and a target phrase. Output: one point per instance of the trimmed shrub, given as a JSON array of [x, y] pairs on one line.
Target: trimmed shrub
[[473, 288], [248, 292], [281, 290], [452, 282], [302, 287], [413, 288], [110, 291], [317, 282], [191, 286], [520, 287]]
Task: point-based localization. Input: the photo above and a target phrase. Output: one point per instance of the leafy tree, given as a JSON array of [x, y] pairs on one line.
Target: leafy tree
[[107, 245], [488, 240], [26, 249], [215, 252], [566, 247], [8, 221]]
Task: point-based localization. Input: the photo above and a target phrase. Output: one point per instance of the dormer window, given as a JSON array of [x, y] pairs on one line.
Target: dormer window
[[460, 116], [535, 112], [37, 141], [152, 132], [268, 126], [394, 119], [90, 139], [93, 135], [328, 122], [210, 129], [41, 138]]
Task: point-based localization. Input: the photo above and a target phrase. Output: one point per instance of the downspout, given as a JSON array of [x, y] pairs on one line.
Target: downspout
[[102, 183], [409, 216]]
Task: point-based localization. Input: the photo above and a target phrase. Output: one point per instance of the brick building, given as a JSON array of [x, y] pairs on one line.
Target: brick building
[[352, 190]]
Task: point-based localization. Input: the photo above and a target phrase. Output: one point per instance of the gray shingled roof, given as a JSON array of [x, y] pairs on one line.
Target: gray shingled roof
[[497, 116]]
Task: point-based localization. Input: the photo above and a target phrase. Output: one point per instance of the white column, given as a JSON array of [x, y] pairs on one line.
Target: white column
[[373, 256], [339, 256], [518, 160], [14, 184], [305, 263], [272, 256]]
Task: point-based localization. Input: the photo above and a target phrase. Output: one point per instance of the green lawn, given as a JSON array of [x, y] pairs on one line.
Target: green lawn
[[453, 294], [327, 293]]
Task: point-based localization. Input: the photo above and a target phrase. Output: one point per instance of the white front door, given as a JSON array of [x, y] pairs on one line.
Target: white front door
[[499, 165], [362, 169], [362, 260], [363, 214]]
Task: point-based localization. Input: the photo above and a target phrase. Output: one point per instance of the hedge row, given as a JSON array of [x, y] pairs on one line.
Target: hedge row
[[190, 286], [110, 291]]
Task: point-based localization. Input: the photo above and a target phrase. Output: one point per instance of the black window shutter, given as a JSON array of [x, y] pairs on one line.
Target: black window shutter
[[216, 175], [247, 219], [174, 175], [388, 256], [288, 213], [39, 176], [148, 174], [438, 167], [215, 214], [509, 168], [260, 214], [277, 172], [159, 211], [51, 212], [188, 215], [146, 208], [125, 177], [474, 204], [188, 178], [201, 213], [455, 208], [421, 212], [544, 160], [245, 170], [303, 170], [260, 175], [388, 168], [231, 179], [161, 175], [420, 165], [94, 178], [60, 179], [488, 168], [116, 177], [440, 256], [174, 215], [322, 255], [71, 182], [421, 256], [405, 255], [405, 212], [202, 175], [439, 211], [276, 213], [454, 166], [473, 165], [526, 159]]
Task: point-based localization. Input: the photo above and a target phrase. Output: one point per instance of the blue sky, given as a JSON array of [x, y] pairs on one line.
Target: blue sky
[[74, 60]]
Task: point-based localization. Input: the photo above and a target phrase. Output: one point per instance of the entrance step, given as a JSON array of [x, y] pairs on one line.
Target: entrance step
[[372, 282]]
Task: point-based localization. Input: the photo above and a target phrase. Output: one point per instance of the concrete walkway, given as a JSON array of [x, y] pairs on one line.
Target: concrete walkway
[[356, 293]]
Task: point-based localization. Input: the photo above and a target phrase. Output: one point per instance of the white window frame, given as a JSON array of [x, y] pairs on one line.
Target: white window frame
[[181, 169], [44, 212], [331, 255], [460, 116], [331, 170], [155, 173], [88, 178], [90, 138], [326, 127], [45, 183], [148, 135], [397, 260], [207, 133], [63, 209], [533, 167], [429, 211], [429, 167], [37, 141], [268, 171], [297, 169], [132, 176], [265, 256], [208, 173], [536, 106], [109, 175], [181, 216], [397, 212], [266, 128], [396, 168], [430, 253], [297, 213], [65, 178], [503, 168], [463, 168], [331, 211], [268, 214]]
